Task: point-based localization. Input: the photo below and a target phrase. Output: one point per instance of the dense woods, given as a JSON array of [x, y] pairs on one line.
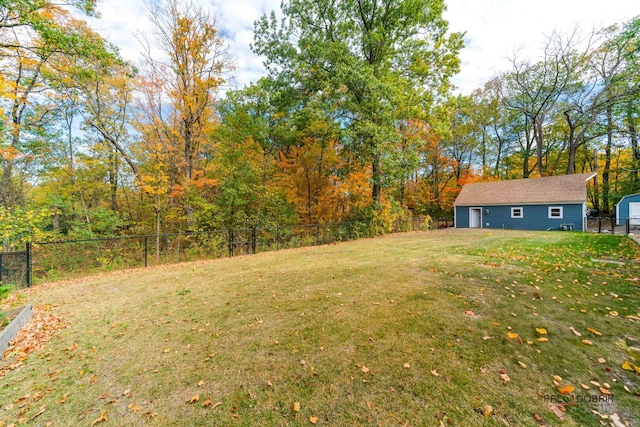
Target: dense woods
[[355, 119]]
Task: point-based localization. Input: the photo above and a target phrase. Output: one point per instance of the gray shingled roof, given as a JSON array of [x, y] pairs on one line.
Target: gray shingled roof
[[548, 189]]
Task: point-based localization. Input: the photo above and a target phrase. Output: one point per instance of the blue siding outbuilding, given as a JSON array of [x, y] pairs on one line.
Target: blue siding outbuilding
[[547, 203], [628, 207], [525, 217]]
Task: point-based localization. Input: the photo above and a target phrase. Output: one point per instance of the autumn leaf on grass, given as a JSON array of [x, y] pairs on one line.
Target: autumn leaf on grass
[[435, 373], [543, 339], [594, 332], [541, 331], [566, 389], [194, 398], [364, 369], [628, 366], [512, 335], [313, 420], [406, 365], [296, 406], [208, 402], [103, 418], [469, 313], [558, 410], [587, 342], [488, 410], [504, 376], [576, 333]]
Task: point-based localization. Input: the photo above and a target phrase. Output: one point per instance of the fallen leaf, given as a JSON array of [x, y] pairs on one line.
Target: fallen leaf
[[208, 402], [194, 398], [576, 333], [505, 378], [628, 366], [435, 373], [557, 378], [522, 365], [541, 331], [469, 313], [406, 365], [566, 389], [364, 369], [543, 339], [601, 360], [200, 383], [538, 418], [558, 410], [296, 407], [594, 332], [512, 335], [604, 390], [488, 410], [587, 342], [313, 420], [103, 418], [584, 386]]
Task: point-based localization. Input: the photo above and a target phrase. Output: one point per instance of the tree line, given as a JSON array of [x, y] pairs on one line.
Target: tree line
[[355, 119]]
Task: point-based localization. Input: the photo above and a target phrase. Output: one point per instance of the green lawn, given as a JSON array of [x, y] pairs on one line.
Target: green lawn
[[409, 329]]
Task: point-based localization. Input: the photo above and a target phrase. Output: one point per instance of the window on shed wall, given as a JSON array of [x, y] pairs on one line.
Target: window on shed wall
[[555, 212], [517, 213]]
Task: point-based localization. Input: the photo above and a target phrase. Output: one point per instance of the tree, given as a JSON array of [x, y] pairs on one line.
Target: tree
[[189, 74], [33, 35], [534, 89], [370, 57]]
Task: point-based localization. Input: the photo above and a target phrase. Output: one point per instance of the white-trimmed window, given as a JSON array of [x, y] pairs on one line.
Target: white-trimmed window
[[556, 212], [517, 213]]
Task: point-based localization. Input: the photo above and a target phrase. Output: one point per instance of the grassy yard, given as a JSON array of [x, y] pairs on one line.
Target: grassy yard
[[435, 329]]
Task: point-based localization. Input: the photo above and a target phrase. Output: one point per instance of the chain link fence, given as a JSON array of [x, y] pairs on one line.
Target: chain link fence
[[47, 261]]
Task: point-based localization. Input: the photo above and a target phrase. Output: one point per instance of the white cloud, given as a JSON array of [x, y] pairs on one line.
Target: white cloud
[[494, 28]]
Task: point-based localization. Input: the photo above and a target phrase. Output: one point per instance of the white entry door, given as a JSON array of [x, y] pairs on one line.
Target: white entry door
[[634, 213], [475, 217]]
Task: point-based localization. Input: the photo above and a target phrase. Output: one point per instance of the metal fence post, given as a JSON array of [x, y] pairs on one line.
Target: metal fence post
[[627, 224], [613, 225], [599, 224], [253, 240], [28, 262], [146, 251], [231, 242]]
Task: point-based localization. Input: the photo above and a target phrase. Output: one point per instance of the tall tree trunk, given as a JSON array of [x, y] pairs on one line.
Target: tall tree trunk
[[537, 129], [607, 159], [113, 178], [633, 135], [377, 179]]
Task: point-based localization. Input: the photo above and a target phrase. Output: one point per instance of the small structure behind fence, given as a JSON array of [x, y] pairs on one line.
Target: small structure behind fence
[[15, 267], [64, 259], [612, 226]]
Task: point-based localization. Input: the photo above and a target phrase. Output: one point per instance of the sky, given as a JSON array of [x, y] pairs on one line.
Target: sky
[[494, 29]]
